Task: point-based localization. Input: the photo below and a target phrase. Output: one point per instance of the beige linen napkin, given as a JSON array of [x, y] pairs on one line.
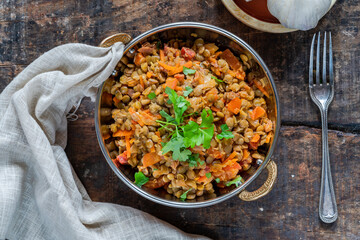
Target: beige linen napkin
[[40, 194]]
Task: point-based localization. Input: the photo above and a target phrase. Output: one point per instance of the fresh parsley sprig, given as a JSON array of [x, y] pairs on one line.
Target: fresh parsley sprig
[[185, 135], [237, 181], [140, 179], [184, 195], [225, 132]]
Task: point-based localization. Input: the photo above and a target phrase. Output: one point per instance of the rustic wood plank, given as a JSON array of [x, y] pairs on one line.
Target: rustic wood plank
[[28, 29]]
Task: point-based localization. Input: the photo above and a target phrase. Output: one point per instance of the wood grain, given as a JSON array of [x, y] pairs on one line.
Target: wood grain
[[30, 28]]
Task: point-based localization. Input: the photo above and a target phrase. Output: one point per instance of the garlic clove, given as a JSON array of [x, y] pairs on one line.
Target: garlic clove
[[299, 14]]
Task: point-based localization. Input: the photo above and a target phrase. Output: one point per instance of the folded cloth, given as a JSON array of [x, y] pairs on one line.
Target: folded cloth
[[40, 194]]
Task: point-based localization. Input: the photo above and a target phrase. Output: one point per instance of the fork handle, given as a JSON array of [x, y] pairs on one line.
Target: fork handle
[[327, 207]]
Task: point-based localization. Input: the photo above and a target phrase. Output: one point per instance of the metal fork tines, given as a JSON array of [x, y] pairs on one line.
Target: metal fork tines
[[322, 93]]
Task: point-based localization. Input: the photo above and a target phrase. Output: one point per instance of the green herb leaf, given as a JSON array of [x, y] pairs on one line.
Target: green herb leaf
[[151, 95], [188, 71], [194, 160], [208, 175], [217, 180], [225, 132], [140, 179], [155, 169], [167, 116], [195, 135], [216, 79], [176, 145], [184, 195], [187, 91], [237, 181], [179, 102]]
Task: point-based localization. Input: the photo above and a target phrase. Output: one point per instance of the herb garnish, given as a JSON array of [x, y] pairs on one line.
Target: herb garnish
[[184, 195], [194, 160], [140, 179], [217, 180], [188, 71], [187, 91], [225, 132], [188, 135], [208, 175], [151, 96], [216, 79], [237, 181]]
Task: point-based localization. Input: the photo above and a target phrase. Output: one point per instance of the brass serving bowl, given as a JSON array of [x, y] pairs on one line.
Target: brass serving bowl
[[223, 39]]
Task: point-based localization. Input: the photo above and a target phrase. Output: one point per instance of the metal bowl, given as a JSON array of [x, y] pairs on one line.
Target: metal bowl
[[223, 39]]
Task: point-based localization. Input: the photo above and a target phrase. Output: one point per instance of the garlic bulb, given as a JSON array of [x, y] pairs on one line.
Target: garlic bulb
[[299, 14]]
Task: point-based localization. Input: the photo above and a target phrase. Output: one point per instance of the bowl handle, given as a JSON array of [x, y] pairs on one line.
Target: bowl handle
[[265, 188], [118, 37]]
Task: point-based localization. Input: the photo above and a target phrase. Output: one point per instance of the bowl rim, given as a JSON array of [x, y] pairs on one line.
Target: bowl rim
[[235, 191]]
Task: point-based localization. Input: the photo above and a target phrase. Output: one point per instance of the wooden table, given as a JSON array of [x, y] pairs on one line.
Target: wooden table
[[290, 211]]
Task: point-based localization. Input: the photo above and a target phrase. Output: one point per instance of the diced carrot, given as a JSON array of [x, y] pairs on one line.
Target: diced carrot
[[217, 54], [240, 74], [149, 74], [123, 133], [177, 88], [231, 171], [179, 77], [116, 101], [171, 83], [188, 65], [229, 57], [158, 134], [215, 109], [106, 99], [142, 82], [268, 138], [150, 159], [171, 70], [246, 154], [152, 149], [139, 59], [201, 179], [162, 55], [128, 146], [232, 73], [106, 136], [215, 153], [253, 145], [255, 138], [234, 105], [260, 87], [231, 156], [216, 71], [258, 112]]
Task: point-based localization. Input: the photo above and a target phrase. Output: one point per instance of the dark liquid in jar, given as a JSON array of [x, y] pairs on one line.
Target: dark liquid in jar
[[257, 9]]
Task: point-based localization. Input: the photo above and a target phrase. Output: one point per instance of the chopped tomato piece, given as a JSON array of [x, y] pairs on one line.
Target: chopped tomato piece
[[187, 53], [122, 158]]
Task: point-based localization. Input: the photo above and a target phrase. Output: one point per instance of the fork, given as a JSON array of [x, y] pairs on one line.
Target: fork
[[322, 93]]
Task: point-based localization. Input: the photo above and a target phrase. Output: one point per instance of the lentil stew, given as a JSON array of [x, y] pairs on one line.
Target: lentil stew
[[191, 118]]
